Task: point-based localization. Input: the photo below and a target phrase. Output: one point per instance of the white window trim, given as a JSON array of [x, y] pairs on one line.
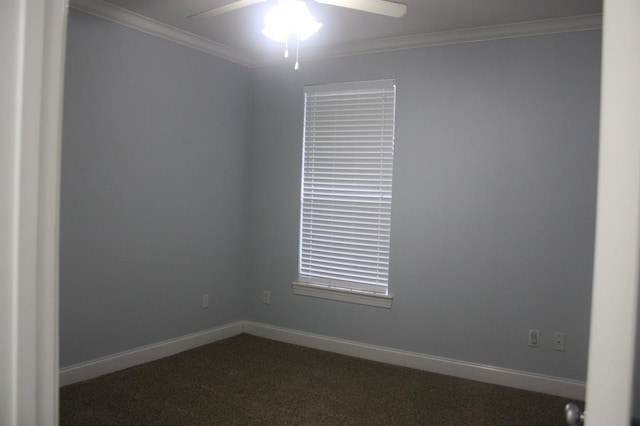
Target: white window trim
[[330, 288], [342, 295]]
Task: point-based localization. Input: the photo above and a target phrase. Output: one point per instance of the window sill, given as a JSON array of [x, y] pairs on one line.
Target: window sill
[[370, 299]]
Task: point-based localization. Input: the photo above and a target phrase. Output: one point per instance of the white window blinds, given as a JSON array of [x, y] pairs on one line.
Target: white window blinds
[[346, 185]]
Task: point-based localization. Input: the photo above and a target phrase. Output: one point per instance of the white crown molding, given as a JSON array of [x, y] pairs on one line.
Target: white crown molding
[[470, 35], [136, 21], [150, 26]]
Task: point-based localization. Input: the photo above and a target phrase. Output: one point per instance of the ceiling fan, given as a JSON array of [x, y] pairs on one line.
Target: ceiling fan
[[380, 7], [291, 18]]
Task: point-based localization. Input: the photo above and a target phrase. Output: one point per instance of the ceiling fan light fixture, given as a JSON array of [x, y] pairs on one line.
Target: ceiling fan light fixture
[[287, 18]]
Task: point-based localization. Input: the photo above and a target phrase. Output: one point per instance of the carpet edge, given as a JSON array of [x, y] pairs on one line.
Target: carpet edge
[[558, 386], [130, 358]]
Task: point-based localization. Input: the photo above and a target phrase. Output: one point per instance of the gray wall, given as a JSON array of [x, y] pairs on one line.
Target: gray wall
[[154, 190], [181, 177], [493, 204]]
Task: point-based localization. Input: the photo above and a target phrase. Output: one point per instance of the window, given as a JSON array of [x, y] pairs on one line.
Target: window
[[346, 192]]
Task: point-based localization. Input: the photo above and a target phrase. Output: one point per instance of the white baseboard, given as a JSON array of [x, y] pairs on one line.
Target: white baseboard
[[109, 364], [566, 388]]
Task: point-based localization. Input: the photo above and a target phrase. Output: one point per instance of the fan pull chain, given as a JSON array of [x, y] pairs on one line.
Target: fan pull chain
[[286, 48], [297, 65]]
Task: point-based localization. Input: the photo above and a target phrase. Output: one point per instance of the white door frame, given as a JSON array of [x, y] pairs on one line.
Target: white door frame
[[32, 42], [617, 254]]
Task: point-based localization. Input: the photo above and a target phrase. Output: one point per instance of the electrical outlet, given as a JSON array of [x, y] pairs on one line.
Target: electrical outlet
[[266, 297], [205, 301], [558, 341], [534, 338]]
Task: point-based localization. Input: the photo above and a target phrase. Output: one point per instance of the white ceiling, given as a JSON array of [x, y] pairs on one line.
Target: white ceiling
[[348, 31]]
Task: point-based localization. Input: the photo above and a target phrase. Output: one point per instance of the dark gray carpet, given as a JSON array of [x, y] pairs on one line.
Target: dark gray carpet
[[246, 380]]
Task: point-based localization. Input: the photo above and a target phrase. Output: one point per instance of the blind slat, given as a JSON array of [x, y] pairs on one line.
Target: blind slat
[[339, 251]]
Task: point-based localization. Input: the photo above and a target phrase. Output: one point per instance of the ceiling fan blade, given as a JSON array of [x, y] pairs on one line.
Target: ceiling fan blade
[[224, 9], [380, 7]]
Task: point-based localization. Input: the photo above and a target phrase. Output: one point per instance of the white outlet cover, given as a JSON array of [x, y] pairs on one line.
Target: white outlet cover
[[558, 341]]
